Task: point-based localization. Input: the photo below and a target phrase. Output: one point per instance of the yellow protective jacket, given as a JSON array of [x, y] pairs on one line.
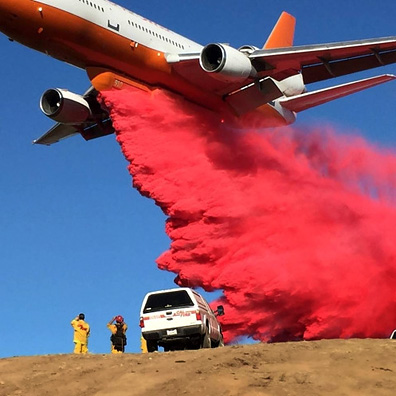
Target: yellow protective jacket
[[81, 331], [113, 328]]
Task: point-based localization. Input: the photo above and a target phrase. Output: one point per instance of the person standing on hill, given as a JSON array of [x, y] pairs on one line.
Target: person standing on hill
[[81, 334], [118, 334]]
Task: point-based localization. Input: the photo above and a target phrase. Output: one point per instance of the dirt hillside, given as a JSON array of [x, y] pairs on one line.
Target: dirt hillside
[[331, 367]]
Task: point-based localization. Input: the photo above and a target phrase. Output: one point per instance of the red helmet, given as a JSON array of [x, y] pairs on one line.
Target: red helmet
[[119, 319]]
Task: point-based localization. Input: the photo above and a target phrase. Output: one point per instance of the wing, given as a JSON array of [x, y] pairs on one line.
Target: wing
[[56, 133], [324, 61], [273, 67], [315, 62], [88, 131]]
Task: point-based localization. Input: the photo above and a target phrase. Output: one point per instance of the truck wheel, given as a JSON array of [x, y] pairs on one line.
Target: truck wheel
[[206, 341], [195, 343], [152, 346], [220, 343], [171, 347]]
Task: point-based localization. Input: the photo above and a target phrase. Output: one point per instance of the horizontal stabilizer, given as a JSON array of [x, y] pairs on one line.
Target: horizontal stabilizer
[[311, 99]]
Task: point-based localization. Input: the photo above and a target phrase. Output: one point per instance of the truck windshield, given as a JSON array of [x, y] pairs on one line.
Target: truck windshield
[[169, 300]]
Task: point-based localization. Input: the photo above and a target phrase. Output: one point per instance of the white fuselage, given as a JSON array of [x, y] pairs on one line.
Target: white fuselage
[[127, 24]]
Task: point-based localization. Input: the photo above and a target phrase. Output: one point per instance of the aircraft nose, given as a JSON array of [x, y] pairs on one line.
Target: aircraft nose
[[8, 8], [8, 5], [11, 15]]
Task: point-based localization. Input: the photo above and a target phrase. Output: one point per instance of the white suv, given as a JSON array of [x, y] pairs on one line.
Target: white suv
[[179, 319]]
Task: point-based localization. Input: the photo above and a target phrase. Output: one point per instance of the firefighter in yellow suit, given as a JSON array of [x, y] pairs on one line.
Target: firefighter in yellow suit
[[81, 334], [143, 345], [118, 334]]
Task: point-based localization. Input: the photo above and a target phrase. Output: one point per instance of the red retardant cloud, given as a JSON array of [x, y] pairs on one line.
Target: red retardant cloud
[[296, 227]]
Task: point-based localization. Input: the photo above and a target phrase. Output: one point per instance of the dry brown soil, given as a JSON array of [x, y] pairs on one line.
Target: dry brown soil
[[328, 367]]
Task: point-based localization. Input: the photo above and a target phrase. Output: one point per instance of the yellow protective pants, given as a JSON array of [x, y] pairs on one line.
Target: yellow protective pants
[[80, 347], [143, 345], [113, 350]]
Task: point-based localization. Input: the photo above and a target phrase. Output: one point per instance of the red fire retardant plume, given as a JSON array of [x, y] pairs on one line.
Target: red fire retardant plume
[[296, 227]]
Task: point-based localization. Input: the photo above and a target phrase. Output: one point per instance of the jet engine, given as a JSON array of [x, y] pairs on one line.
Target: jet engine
[[226, 63], [248, 49], [64, 106]]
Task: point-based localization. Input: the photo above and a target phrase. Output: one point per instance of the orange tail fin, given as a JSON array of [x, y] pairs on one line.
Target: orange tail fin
[[282, 34]]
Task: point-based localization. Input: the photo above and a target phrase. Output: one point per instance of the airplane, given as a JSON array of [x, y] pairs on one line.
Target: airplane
[[118, 49]]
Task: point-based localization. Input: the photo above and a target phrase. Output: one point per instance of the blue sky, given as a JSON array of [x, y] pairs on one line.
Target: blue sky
[[74, 235]]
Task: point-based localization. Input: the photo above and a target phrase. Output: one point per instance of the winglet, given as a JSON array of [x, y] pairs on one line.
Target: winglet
[[282, 34]]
